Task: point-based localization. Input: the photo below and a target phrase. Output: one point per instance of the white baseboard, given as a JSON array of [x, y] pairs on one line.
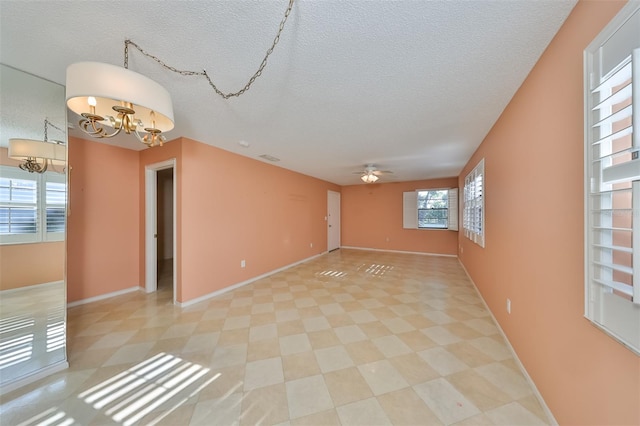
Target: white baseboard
[[104, 296], [31, 287], [40, 374], [399, 251], [536, 392], [243, 283]]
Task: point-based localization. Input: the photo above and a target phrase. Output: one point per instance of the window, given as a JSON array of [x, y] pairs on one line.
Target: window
[[431, 209], [32, 206], [612, 178], [473, 215]]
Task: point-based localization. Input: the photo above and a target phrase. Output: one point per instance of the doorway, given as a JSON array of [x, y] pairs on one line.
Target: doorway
[[160, 228], [164, 249], [333, 220]]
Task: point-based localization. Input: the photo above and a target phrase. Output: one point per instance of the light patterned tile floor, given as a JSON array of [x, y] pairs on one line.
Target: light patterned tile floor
[[352, 337]]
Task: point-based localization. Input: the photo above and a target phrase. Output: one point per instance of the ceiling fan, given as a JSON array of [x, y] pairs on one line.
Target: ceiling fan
[[371, 174]]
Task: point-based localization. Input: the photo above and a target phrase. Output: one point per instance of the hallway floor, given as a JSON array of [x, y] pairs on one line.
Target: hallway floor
[[352, 337]]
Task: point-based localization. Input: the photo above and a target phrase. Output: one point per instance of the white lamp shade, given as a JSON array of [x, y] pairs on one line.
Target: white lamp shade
[[111, 85], [21, 149]]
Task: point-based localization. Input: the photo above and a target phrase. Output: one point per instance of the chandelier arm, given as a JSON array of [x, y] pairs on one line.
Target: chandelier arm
[[91, 128], [203, 73]]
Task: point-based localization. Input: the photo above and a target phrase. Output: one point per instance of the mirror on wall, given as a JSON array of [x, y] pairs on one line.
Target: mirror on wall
[[32, 231]]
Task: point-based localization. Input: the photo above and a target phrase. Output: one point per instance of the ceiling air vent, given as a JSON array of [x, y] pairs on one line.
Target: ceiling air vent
[[269, 157]]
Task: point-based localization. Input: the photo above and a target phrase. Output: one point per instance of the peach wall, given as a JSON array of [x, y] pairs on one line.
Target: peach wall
[[29, 264], [534, 237], [236, 208], [102, 235], [18, 261], [372, 213]]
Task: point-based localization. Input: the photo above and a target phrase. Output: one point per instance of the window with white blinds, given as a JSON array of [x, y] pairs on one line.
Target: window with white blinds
[[430, 209], [32, 206], [612, 174], [473, 214]]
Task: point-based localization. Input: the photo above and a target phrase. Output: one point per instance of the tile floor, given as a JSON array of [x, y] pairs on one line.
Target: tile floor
[[352, 337]]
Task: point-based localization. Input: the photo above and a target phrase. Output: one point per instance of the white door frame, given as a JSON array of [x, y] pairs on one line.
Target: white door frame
[[151, 225], [333, 220]]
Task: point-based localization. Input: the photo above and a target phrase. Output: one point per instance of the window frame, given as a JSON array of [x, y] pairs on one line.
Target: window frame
[[41, 179], [473, 214], [445, 209]]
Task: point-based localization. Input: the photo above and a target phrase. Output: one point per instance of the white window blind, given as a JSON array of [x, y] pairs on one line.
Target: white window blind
[[430, 209], [473, 213], [612, 175]]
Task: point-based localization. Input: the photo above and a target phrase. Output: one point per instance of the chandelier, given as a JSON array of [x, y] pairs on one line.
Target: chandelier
[[107, 96], [112, 100], [37, 155]]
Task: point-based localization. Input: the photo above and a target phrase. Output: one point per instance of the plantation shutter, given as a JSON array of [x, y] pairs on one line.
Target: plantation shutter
[[410, 210], [453, 209], [473, 213], [612, 143]]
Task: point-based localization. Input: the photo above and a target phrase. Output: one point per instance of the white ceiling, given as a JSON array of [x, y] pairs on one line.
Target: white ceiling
[[410, 86]]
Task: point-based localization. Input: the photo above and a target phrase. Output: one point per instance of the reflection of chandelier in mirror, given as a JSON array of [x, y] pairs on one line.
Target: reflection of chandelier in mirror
[[38, 155], [142, 107]]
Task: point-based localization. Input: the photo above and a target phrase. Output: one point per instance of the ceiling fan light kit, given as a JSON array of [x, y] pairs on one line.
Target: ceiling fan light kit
[[371, 174], [369, 177]]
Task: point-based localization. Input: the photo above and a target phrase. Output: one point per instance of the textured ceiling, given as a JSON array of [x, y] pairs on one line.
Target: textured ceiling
[[410, 86]]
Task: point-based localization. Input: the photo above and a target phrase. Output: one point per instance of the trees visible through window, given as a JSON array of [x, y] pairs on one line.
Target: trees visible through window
[[433, 208]]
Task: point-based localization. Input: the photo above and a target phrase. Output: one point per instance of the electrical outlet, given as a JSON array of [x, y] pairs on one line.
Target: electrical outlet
[[311, 245], [509, 306], [243, 263]]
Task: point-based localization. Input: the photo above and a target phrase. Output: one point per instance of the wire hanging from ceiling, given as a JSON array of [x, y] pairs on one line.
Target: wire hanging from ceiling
[[204, 73]]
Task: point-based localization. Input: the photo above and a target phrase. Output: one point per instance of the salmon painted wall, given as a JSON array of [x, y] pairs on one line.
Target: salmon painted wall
[[236, 208], [534, 237], [102, 235], [372, 218], [29, 264], [17, 260]]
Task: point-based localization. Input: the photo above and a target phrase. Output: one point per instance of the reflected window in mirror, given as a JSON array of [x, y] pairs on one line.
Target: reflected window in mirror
[[32, 206]]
